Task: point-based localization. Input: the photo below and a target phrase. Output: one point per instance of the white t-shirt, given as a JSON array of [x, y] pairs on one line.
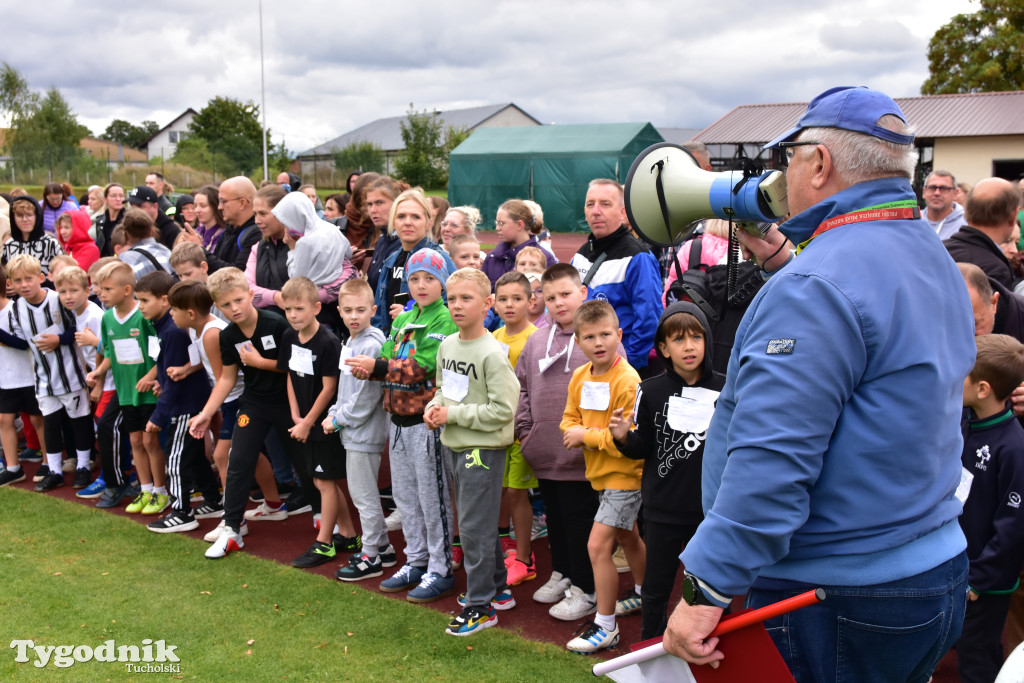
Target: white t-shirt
[[239, 382], [92, 318]]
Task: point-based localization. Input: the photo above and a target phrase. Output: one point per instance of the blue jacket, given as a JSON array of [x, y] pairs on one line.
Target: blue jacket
[[381, 319], [186, 397], [630, 280], [834, 452]]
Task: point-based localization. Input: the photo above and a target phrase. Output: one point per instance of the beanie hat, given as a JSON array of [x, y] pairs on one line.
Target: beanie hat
[[429, 261]]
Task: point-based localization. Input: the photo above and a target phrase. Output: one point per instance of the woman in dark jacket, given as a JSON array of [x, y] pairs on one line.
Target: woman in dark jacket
[[113, 195]]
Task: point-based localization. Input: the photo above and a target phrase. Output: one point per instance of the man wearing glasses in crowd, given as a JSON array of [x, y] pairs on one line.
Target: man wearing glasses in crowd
[[241, 233], [942, 213]]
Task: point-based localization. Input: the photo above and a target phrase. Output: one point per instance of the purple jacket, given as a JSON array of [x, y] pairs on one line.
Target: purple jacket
[[502, 258], [50, 214]]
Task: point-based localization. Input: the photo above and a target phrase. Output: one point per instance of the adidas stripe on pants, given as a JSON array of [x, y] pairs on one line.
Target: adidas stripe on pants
[[187, 465]]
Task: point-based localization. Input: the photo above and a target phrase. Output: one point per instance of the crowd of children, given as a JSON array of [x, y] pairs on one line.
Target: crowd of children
[[479, 393]]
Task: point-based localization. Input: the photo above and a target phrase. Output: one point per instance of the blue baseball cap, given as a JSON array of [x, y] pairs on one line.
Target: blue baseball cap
[[849, 108]]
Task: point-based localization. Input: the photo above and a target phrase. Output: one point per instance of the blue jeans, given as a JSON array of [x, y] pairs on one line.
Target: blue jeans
[[896, 631]]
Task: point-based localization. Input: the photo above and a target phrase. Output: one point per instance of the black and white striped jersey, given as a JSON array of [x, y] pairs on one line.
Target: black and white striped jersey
[[59, 371]]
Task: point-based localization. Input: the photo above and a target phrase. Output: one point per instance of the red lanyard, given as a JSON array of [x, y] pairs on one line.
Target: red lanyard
[[894, 211]]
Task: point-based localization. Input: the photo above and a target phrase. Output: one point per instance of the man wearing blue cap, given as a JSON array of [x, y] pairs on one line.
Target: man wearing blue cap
[[833, 458]]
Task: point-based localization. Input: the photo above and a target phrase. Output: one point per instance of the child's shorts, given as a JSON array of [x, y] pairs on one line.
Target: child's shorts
[[618, 508], [76, 403], [134, 418], [327, 458], [228, 413], [20, 400], [518, 473]]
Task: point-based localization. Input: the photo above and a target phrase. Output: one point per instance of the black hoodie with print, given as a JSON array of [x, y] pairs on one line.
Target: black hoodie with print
[[670, 487], [38, 243]]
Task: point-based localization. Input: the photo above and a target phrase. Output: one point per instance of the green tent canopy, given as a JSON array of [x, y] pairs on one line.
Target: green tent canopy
[[548, 164]]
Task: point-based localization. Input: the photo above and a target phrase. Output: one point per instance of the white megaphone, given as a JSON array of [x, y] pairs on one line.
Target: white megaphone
[[666, 192]]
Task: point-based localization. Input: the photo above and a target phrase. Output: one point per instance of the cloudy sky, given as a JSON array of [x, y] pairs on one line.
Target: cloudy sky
[[332, 66]]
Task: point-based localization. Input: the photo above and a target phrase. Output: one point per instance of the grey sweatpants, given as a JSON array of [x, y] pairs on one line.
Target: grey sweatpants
[[362, 469], [478, 476], [421, 485]]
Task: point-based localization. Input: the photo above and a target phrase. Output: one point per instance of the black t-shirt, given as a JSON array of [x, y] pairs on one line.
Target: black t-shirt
[[260, 385], [395, 275], [323, 354]]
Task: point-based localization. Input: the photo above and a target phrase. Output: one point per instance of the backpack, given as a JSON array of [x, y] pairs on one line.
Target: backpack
[[693, 284]]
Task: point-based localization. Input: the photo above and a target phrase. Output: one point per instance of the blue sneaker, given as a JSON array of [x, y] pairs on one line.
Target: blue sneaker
[[501, 601], [405, 578], [93, 490], [472, 620], [432, 587]]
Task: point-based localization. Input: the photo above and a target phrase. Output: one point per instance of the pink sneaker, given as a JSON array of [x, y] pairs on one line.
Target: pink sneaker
[[519, 572]]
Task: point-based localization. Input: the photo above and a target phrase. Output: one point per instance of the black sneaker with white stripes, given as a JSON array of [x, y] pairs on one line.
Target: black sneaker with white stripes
[[174, 522], [208, 511]]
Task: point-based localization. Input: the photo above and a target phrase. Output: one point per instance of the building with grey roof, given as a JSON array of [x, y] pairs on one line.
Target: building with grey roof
[[972, 135], [386, 133]]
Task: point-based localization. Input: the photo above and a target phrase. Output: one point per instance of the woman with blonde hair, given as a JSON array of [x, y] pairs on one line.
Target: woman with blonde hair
[[410, 221]]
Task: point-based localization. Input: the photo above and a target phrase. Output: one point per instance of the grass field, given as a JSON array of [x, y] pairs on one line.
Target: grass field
[[79, 576]]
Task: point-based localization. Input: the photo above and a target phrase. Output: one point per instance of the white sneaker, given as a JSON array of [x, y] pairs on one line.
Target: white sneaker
[[316, 521], [553, 590], [215, 533], [228, 542], [68, 465], [594, 638], [265, 513], [394, 520], [575, 606]]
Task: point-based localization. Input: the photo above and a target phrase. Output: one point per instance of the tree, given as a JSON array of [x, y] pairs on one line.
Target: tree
[[17, 99], [49, 134], [359, 156], [231, 133], [421, 162], [980, 52], [128, 133]]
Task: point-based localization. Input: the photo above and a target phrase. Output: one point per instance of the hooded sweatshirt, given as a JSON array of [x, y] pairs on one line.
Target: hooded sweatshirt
[[38, 244], [80, 246], [544, 370], [359, 412], [947, 227], [673, 450], [321, 252]]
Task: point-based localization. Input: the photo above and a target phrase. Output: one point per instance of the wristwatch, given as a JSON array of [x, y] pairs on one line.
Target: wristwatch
[[693, 594]]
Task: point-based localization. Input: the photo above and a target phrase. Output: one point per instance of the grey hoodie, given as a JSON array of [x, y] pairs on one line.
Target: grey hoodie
[[945, 227], [359, 409], [542, 397]]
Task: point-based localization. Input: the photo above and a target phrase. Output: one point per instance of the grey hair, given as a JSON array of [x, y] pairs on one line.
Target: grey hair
[[470, 214], [858, 157]]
